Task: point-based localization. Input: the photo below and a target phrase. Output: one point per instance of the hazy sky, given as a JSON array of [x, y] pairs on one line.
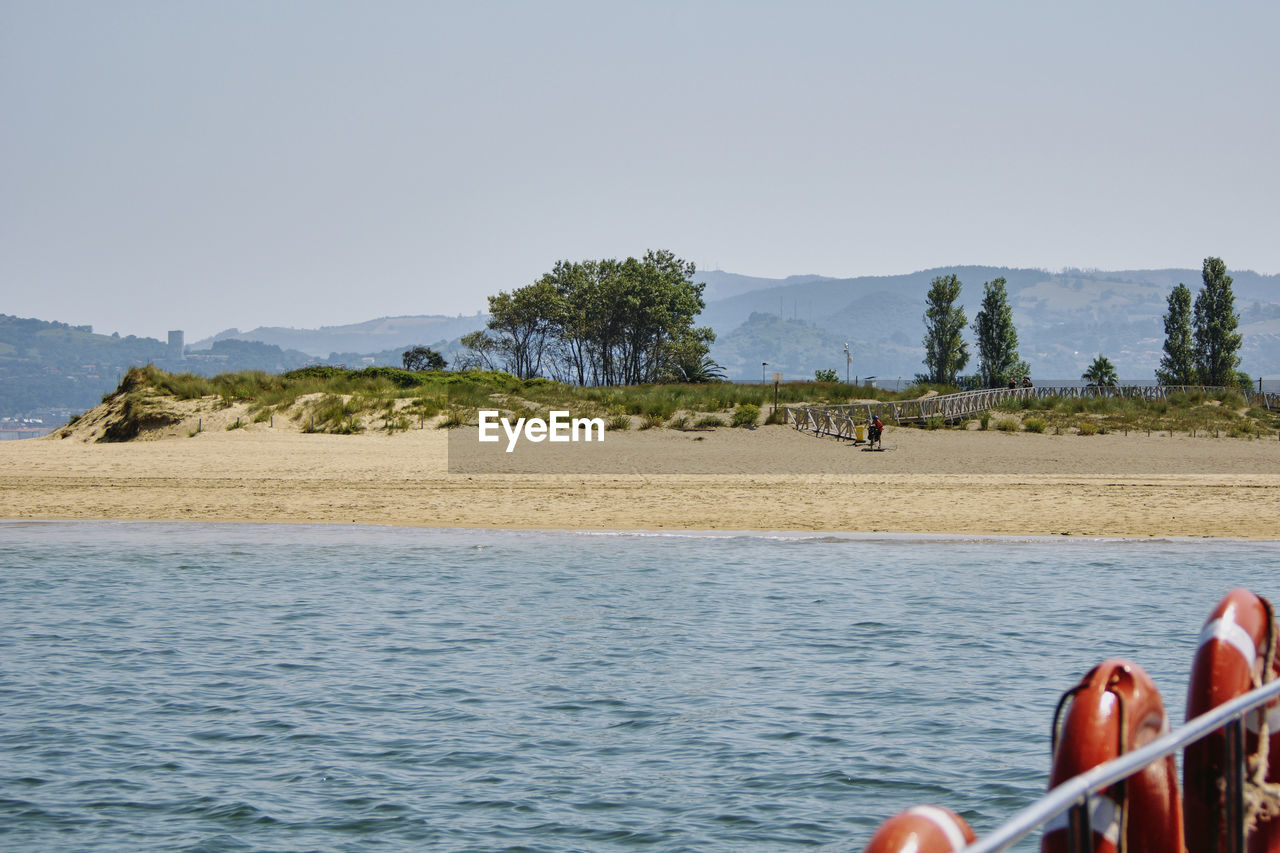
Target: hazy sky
[[201, 165]]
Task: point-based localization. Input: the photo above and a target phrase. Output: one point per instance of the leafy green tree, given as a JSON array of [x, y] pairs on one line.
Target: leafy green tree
[[686, 359], [1217, 342], [656, 304], [1178, 364], [521, 325], [945, 351], [829, 375], [998, 360], [423, 358], [481, 352], [1101, 372], [602, 322]]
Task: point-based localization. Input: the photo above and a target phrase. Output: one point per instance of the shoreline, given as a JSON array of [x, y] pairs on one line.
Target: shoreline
[[833, 536], [949, 482]]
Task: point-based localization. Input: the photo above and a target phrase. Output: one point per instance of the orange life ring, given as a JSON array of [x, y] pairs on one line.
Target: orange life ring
[[1236, 654], [922, 829], [1116, 709]]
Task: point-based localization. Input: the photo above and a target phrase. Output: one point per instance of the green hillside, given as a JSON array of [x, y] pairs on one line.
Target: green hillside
[[45, 365], [51, 367], [1063, 319]]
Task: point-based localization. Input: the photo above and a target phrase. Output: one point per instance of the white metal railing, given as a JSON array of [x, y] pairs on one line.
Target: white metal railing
[[839, 420], [1073, 795]]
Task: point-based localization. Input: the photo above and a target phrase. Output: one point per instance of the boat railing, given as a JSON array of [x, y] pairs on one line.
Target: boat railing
[[1072, 796]]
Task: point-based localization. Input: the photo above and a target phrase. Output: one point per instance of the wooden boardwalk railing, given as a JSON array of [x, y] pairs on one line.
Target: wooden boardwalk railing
[[841, 421]]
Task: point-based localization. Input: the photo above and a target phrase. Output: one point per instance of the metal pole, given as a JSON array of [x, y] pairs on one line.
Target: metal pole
[[1079, 829], [1235, 785]]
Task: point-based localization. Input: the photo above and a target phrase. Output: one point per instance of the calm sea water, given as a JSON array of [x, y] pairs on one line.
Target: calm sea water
[[241, 687]]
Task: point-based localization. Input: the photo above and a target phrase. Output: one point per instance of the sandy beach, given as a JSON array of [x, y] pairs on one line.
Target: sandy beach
[[770, 478]]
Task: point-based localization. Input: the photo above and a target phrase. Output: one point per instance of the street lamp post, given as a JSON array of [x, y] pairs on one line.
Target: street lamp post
[[848, 360], [763, 365]]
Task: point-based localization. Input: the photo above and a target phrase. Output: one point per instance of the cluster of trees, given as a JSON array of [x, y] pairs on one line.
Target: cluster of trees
[[604, 322], [1201, 345], [945, 350], [423, 358]]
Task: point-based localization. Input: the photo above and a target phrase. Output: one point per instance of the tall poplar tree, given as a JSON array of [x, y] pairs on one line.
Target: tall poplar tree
[[1217, 341], [1178, 364], [998, 360], [945, 351]]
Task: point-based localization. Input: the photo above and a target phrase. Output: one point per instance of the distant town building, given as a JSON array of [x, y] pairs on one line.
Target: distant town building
[[176, 346]]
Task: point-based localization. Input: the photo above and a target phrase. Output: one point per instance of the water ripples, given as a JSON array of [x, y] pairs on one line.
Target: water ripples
[[222, 687]]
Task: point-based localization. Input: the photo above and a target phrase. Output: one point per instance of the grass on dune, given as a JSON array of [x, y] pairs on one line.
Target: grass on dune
[[339, 400], [1201, 412]]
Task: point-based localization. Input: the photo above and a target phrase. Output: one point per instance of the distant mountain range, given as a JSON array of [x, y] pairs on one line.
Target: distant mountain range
[[372, 335], [1064, 319], [796, 325], [800, 324], [51, 370]]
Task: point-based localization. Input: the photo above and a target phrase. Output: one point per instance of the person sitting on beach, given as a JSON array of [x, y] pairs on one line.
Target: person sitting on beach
[[876, 432]]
